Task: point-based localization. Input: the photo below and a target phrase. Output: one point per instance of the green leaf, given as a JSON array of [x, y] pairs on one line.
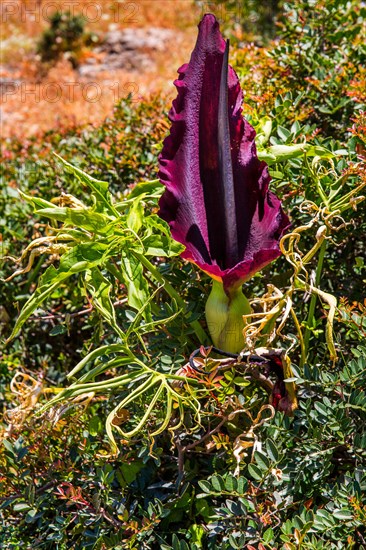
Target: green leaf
[[197, 533], [95, 425], [318, 151], [137, 286], [94, 355], [276, 174], [100, 188], [343, 514], [135, 216], [37, 201], [231, 483], [242, 485], [268, 535], [272, 450], [331, 109], [33, 515], [147, 188], [21, 507], [8, 446], [241, 381], [57, 330], [138, 328], [85, 218], [130, 470], [255, 472], [262, 460], [321, 408], [324, 518], [162, 246], [279, 153], [203, 508], [158, 240], [218, 483], [283, 133], [205, 486], [100, 289], [264, 131]]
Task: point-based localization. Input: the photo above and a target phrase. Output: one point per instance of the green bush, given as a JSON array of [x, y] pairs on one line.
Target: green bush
[[321, 50], [66, 34], [255, 21], [30, 164]]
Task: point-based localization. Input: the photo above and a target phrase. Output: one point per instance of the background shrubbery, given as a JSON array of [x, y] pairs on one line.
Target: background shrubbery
[[306, 485], [66, 34]]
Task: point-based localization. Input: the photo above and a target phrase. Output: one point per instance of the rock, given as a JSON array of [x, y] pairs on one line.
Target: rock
[[128, 49], [153, 38]]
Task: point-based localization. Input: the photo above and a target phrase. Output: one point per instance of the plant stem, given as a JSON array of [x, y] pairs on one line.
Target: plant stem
[[310, 319], [301, 339], [315, 178], [224, 316]]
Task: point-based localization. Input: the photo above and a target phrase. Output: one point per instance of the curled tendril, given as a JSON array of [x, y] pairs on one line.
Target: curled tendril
[[248, 439], [265, 326], [335, 216], [27, 392], [164, 392], [308, 207], [269, 323], [50, 245]]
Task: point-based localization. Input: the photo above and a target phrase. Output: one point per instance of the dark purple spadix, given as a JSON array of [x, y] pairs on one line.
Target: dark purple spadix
[[226, 167], [216, 200]]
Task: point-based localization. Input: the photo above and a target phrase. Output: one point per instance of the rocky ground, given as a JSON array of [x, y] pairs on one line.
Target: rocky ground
[[137, 54]]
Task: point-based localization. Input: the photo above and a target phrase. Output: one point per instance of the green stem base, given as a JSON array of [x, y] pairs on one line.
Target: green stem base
[[224, 315]]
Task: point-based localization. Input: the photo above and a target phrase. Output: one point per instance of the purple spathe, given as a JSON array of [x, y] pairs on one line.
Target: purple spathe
[[216, 200]]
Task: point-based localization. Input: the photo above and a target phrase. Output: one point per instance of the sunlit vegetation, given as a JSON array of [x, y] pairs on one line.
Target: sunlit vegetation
[[110, 437]]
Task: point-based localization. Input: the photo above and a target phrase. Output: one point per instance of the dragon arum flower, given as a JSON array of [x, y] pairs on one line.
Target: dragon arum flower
[[216, 199]]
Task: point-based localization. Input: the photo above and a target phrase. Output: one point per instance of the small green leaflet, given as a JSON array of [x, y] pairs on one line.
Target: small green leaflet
[[158, 241], [36, 201], [144, 189]]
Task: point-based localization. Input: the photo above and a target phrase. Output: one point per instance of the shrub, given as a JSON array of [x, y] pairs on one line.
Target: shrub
[[254, 21], [65, 35]]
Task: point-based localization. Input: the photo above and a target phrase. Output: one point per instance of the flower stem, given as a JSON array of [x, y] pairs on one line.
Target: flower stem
[[224, 315]]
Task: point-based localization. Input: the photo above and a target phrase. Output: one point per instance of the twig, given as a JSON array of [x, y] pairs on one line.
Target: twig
[[182, 450]]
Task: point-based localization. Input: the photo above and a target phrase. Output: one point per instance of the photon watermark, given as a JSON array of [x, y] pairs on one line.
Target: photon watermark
[[52, 92], [41, 10]]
